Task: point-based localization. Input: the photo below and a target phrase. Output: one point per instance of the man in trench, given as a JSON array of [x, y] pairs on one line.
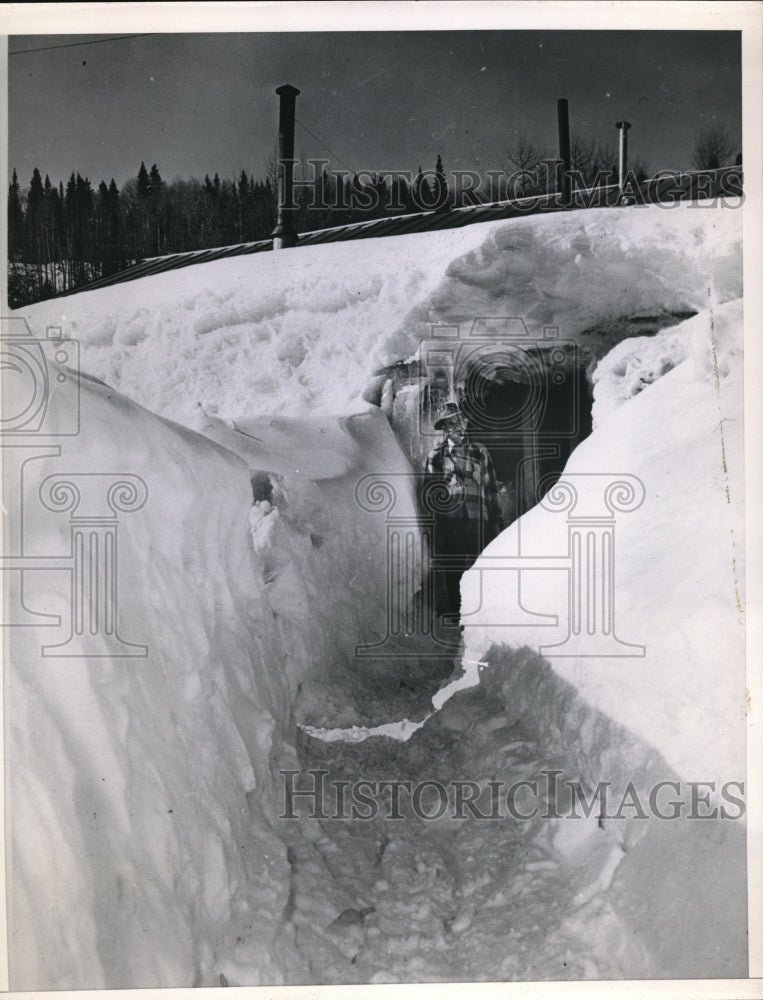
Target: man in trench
[[460, 495]]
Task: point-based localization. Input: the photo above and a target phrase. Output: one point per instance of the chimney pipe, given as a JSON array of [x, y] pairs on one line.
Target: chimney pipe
[[285, 233], [563, 120], [623, 126]]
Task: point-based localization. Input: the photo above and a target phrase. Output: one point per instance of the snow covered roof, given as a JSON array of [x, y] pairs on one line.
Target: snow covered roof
[[669, 187]]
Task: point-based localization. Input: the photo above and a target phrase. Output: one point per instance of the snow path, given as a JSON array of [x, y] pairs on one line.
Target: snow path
[[453, 899], [357, 734]]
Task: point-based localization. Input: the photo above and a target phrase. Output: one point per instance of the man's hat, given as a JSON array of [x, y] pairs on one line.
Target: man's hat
[[451, 410]]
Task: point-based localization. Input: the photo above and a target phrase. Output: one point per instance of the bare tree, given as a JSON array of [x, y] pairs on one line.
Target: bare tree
[[583, 156], [526, 158], [606, 157], [641, 169], [525, 155], [713, 148], [270, 164]]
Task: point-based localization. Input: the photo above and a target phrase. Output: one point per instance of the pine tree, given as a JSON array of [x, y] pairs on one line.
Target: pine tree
[[58, 237], [80, 220], [101, 240], [422, 193], [34, 222], [15, 220], [155, 182], [17, 268], [155, 212], [36, 191], [116, 254], [206, 235], [361, 199], [141, 223], [244, 207], [47, 234], [380, 193], [399, 196], [440, 186], [144, 185], [269, 207]]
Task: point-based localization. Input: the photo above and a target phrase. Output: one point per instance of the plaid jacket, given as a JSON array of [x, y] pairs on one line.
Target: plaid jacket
[[466, 470]]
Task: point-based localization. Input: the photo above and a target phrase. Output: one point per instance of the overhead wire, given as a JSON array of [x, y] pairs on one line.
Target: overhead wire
[[69, 45], [325, 146], [120, 38]]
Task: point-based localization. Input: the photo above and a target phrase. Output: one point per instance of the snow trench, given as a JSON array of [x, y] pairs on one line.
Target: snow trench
[[147, 795]]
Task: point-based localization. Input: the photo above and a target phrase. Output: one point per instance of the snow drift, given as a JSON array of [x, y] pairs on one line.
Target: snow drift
[[670, 414], [679, 555], [144, 794], [299, 333], [138, 786]]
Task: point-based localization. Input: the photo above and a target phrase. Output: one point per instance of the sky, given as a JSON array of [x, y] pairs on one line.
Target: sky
[[197, 104]]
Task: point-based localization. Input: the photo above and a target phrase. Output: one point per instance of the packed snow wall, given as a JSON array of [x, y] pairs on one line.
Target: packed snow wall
[[269, 356], [668, 448], [656, 649], [141, 787], [179, 606], [320, 490]]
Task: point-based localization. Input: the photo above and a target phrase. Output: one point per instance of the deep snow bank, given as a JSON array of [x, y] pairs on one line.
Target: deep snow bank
[[320, 536], [144, 791], [300, 332], [293, 333], [670, 415], [678, 561], [141, 795]]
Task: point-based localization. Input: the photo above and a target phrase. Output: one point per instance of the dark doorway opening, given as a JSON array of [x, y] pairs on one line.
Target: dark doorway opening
[[530, 427]]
